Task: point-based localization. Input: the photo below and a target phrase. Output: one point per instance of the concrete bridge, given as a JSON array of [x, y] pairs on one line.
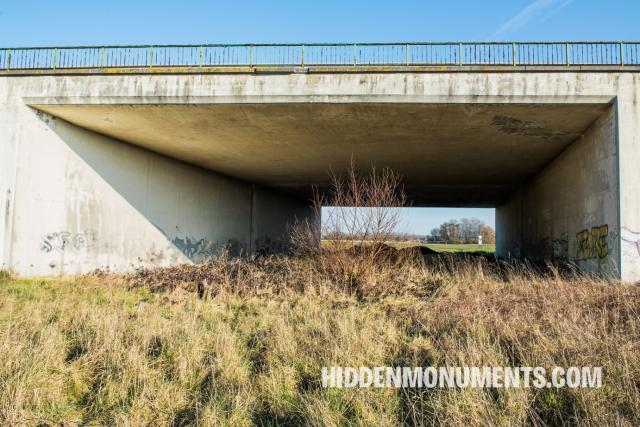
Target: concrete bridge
[[118, 157]]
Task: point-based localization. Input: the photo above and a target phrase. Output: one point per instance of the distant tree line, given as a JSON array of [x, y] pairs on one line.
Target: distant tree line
[[465, 230]]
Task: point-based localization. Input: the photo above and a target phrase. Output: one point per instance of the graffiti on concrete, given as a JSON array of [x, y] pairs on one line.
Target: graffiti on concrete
[[64, 241], [194, 248], [560, 248], [631, 237], [203, 249], [592, 244]]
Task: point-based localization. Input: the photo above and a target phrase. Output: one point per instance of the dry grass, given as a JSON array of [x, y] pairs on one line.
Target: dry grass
[[242, 343]]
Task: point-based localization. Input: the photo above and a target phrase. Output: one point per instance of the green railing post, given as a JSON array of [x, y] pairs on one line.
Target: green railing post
[[8, 59], [460, 54], [513, 53], [200, 56], [55, 58], [150, 56], [102, 60], [251, 56], [568, 54], [621, 54], [355, 55], [302, 62], [406, 48]]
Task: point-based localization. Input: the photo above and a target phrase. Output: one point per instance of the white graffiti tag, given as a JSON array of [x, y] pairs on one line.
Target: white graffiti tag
[[63, 241], [631, 237]]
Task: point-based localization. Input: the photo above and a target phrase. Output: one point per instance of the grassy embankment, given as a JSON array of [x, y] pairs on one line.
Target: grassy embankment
[[147, 350], [485, 249]]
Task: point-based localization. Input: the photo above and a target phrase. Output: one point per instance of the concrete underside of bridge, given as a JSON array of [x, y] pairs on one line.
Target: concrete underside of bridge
[[122, 171]]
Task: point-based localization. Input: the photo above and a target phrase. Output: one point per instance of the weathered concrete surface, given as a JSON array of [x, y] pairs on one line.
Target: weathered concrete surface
[[249, 132], [96, 202], [448, 154], [273, 214]]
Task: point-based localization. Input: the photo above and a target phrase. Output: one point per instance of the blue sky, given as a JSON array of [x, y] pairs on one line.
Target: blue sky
[[76, 22]]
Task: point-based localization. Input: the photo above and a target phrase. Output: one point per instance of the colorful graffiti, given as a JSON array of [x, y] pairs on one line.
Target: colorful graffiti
[[64, 241], [592, 244]]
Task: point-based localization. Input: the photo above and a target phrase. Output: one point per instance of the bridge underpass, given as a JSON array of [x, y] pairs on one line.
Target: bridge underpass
[[118, 171]]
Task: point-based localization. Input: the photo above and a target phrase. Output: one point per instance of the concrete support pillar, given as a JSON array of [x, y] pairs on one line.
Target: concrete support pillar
[[628, 128]]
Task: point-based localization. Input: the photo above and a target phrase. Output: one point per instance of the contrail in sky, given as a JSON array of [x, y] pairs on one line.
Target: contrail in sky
[[527, 14]]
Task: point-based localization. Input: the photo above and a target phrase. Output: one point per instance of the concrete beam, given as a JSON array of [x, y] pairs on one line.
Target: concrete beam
[[448, 154]]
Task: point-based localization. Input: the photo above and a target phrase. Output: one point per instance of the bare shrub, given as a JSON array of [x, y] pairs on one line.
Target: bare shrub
[[349, 242]]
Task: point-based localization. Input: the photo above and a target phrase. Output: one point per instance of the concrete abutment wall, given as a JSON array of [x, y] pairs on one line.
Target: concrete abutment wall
[[569, 211], [84, 201]]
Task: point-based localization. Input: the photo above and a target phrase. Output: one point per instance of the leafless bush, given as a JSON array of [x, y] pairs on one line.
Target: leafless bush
[[363, 214]]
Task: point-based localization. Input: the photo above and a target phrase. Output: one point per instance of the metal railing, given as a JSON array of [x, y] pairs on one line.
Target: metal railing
[[316, 54]]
